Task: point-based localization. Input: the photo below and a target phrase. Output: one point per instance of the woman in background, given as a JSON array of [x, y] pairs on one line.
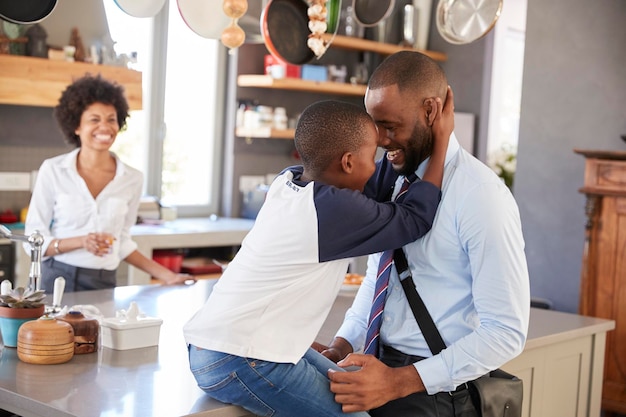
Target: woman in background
[[84, 202]]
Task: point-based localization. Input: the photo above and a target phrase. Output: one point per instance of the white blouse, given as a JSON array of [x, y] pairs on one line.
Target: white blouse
[[62, 207]]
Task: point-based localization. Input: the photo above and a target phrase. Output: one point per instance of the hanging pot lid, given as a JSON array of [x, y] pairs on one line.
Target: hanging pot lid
[[464, 21], [372, 12], [206, 18], [140, 8], [26, 12], [285, 30]]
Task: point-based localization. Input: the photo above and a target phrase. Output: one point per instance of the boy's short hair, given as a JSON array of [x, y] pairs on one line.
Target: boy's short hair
[[328, 129]]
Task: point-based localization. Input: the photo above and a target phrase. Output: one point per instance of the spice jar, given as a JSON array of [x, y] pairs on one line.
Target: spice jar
[[86, 332], [280, 118], [266, 116]]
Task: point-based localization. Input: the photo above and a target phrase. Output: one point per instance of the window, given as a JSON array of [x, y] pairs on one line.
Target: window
[[506, 84], [131, 35], [176, 139], [190, 108]]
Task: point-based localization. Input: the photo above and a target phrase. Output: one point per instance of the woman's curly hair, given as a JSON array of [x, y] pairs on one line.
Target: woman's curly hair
[[81, 94]]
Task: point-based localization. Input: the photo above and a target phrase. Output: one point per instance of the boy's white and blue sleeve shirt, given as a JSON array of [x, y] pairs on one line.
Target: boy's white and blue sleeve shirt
[[275, 295]]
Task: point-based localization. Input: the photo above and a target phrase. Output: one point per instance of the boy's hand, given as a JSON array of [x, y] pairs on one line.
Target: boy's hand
[[444, 122], [442, 127]]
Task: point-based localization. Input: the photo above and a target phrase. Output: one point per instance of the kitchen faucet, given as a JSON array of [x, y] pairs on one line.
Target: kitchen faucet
[[36, 241]]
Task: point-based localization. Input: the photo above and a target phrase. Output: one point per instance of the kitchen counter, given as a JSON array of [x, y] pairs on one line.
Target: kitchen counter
[[156, 381], [196, 232], [185, 233]]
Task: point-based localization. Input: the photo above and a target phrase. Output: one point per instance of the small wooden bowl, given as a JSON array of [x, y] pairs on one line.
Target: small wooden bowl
[[45, 341], [86, 332]]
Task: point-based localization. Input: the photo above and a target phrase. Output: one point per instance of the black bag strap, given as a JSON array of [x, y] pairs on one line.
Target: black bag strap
[[422, 316]]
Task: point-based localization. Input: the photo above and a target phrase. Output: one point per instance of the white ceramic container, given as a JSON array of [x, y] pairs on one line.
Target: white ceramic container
[[122, 334]]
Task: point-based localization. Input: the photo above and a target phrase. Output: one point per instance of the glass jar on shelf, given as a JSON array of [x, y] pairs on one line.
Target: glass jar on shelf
[[280, 118]]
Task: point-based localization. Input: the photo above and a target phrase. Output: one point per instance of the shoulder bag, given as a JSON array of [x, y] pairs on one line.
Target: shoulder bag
[[496, 394]]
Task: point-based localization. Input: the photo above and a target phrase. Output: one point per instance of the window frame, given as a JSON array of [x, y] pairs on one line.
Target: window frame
[[154, 86]]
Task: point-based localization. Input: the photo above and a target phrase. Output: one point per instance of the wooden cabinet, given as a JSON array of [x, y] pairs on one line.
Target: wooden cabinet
[[28, 81], [603, 276]]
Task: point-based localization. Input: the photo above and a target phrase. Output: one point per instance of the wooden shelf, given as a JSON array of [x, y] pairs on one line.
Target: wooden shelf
[[296, 84], [358, 44], [265, 133], [28, 81], [327, 87]]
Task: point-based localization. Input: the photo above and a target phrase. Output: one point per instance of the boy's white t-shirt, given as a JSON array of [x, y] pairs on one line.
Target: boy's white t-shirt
[[273, 298]]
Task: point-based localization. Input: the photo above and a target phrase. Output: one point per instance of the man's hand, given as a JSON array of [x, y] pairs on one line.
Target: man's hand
[[373, 385]]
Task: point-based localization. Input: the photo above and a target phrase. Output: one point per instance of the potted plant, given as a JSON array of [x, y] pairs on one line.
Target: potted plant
[[17, 307]]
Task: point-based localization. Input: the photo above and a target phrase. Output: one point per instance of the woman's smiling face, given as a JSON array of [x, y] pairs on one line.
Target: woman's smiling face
[[98, 126]]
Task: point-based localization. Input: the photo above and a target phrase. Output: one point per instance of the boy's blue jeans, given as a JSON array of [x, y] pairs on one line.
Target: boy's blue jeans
[[268, 388]]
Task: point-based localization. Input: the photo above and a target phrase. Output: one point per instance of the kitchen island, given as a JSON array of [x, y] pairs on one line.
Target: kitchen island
[[196, 232], [563, 359]]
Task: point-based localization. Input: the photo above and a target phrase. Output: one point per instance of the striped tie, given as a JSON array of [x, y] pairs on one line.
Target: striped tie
[[380, 291]]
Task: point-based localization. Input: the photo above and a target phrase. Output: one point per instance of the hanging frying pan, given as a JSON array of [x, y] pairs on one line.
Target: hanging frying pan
[[140, 8], [371, 12], [464, 21], [26, 12], [285, 29]]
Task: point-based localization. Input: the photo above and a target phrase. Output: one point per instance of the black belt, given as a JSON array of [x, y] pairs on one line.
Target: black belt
[[395, 358]]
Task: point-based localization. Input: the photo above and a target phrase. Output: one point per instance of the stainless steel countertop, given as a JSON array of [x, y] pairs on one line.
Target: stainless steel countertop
[[147, 382], [156, 381]]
